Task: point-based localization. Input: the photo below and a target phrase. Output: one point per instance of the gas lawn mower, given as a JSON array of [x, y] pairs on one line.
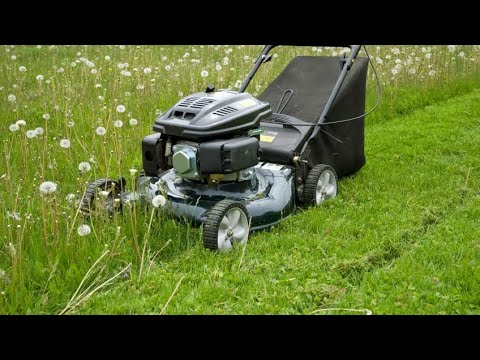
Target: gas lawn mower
[[225, 160]]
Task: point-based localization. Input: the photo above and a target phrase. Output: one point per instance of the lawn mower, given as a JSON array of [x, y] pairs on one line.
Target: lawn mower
[[233, 163]]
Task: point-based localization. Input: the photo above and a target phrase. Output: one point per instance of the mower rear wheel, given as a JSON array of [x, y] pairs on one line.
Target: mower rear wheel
[[321, 185], [94, 200], [227, 223]]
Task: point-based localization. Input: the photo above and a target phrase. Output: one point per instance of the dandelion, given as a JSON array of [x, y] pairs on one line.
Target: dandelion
[[140, 87], [31, 134], [428, 55], [84, 167], [461, 54], [122, 47], [121, 109], [126, 73], [70, 124], [159, 201], [412, 71], [396, 51], [65, 143], [46, 116], [39, 131], [84, 230], [14, 127], [101, 131], [73, 64], [276, 55], [70, 198], [394, 71], [218, 67], [164, 58], [107, 58], [21, 122], [432, 72], [451, 48], [39, 78], [147, 70], [238, 83], [12, 98], [13, 57], [89, 64], [104, 194], [133, 172], [48, 187], [204, 73], [118, 123], [168, 68], [94, 71], [22, 69], [133, 122], [60, 70], [14, 215]]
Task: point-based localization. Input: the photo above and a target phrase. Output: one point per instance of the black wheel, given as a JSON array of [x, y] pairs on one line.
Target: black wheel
[[321, 185], [101, 194], [227, 223]]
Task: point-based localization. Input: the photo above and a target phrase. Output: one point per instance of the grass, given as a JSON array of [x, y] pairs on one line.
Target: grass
[[401, 237]]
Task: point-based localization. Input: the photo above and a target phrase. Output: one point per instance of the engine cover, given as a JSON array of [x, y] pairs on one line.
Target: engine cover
[[212, 115]]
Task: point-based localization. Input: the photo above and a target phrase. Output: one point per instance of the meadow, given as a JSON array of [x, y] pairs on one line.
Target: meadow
[[402, 237]]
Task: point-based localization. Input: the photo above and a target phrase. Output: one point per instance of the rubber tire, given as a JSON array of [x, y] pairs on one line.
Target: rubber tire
[[310, 187], [92, 190], [214, 218]]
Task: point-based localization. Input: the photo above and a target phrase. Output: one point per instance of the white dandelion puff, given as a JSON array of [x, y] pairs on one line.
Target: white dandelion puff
[[31, 134], [204, 73], [65, 143], [39, 78], [147, 70], [118, 123], [46, 116], [104, 194], [133, 122], [70, 124], [48, 187], [84, 167], [14, 127], [39, 131], [168, 68], [22, 69], [120, 108], [84, 230], [101, 131], [21, 122], [133, 172], [70, 198], [158, 201], [11, 98], [218, 67]]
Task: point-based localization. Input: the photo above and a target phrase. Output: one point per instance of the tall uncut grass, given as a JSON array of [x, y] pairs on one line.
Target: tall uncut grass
[[85, 110]]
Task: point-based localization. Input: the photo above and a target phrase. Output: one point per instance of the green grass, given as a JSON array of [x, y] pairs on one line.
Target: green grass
[[402, 236]]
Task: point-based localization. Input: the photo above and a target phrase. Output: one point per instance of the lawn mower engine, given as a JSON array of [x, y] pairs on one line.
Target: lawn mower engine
[[208, 137]]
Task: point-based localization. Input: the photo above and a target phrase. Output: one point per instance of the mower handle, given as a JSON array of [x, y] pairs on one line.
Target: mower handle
[[268, 48]]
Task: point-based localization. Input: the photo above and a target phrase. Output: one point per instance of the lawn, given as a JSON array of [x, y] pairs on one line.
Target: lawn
[[402, 237]]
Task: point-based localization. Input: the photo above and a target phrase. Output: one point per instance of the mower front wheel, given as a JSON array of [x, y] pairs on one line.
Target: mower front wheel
[[227, 223], [100, 196], [321, 185]]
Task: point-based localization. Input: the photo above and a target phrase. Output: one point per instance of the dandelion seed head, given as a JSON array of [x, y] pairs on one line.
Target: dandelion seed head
[[31, 134], [39, 131], [121, 109], [133, 122], [118, 123], [22, 69], [14, 127], [204, 73], [65, 143], [84, 230], [159, 201], [147, 70], [84, 167], [46, 116], [48, 187], [21, 122], [39, 77], [11, 98]]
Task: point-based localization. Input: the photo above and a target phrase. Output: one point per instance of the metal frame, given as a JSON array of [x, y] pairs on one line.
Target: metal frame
[[348, 62]]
